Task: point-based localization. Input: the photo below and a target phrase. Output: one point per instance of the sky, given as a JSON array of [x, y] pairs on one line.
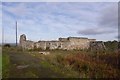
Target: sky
[[51, 20]]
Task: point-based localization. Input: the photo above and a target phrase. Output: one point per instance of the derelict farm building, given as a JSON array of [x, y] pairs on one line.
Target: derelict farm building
[[69, 43]]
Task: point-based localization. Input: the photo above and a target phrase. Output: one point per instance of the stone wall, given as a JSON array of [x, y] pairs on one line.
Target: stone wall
[[26, 44], [29, 44], [40, 44], [22, 41], [98, 45], [52, 44], [63, 39], [78, 43], [69, 43]]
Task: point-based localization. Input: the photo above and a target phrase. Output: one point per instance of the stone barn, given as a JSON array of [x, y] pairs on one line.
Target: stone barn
[[69, 43]]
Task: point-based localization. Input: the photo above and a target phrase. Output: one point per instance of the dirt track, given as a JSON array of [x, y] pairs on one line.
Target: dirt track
[[33, 68]]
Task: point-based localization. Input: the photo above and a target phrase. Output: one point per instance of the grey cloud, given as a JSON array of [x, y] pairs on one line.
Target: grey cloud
[[95, 31], [119, 15], [107, 22], [117, 37], [109, 16]]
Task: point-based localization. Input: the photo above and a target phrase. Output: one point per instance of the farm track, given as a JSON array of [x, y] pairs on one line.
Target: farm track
[[33, 70]]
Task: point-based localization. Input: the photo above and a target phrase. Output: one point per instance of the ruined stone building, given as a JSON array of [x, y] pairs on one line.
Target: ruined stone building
[[69, 43]]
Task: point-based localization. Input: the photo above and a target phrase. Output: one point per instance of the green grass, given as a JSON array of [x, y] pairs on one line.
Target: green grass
[[58, 64], [5, 65]]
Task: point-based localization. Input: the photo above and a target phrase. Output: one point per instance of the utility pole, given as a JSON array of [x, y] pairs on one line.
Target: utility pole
[[16, 33], [2, 36]]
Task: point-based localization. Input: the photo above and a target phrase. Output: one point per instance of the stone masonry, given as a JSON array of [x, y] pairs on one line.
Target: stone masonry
[[69, 43]]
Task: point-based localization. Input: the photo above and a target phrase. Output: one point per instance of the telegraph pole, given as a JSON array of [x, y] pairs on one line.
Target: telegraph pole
[[2, 36], [16, 33]]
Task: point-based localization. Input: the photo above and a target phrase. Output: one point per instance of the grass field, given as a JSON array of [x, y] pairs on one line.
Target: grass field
[[59, 64]]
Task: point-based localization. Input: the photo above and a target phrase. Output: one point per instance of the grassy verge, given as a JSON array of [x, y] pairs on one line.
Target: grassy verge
[[5, 65]]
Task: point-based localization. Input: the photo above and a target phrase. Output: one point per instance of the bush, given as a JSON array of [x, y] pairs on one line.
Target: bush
[[7, 45], [47, 48]]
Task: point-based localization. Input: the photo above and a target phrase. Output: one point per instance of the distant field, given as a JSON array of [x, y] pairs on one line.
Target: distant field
[[60, 64]]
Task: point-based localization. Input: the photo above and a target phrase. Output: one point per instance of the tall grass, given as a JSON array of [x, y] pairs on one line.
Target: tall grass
[[87, 65], [74, 63]]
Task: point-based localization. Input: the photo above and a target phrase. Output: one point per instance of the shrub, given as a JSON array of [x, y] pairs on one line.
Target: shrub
[[47, 48], [7, 45]]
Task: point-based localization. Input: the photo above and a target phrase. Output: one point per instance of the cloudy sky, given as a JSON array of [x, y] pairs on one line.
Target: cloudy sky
[[51, 20]]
